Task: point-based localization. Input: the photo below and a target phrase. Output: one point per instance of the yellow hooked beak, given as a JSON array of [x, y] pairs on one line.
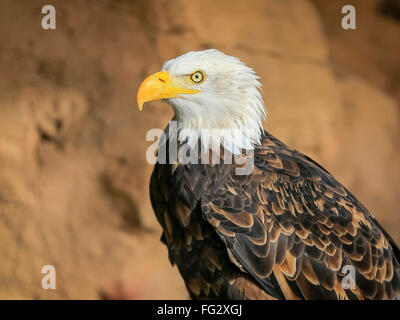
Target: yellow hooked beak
[[159, 86]]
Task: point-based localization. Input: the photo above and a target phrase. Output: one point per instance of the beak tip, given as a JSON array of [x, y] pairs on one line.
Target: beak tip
[[154, 87], [140, 101]]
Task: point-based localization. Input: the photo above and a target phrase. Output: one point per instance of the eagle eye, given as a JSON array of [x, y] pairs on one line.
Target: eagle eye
[[197, 76]]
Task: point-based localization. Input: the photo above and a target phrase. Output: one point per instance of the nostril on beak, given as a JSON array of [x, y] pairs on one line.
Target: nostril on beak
[[162, 80]]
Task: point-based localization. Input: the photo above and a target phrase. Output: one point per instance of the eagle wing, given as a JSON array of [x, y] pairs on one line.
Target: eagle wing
[[291, 225]]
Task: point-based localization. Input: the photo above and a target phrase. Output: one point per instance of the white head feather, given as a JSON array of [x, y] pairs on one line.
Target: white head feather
[[229, 99]]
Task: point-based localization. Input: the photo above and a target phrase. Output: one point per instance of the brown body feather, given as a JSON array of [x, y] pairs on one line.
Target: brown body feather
[[286, 231]]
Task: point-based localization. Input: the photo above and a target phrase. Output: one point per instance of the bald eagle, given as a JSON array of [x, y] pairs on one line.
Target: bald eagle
[[286, 229]]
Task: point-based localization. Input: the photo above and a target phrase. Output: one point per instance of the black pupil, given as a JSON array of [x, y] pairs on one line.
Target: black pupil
[[197, 76]]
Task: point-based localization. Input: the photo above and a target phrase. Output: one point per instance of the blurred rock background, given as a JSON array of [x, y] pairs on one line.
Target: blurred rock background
[[73, 175]]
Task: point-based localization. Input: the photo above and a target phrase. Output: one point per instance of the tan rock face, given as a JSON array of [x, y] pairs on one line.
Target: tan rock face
[[365, 64], [73, 173]]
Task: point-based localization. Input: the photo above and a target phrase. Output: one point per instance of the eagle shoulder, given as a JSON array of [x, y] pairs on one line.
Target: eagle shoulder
[[293, 221]]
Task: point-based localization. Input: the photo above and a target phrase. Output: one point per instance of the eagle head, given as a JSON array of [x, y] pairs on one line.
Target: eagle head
[[209, 90]]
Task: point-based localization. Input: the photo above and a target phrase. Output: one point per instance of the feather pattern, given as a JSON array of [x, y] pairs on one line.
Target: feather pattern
[[286, 231]]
